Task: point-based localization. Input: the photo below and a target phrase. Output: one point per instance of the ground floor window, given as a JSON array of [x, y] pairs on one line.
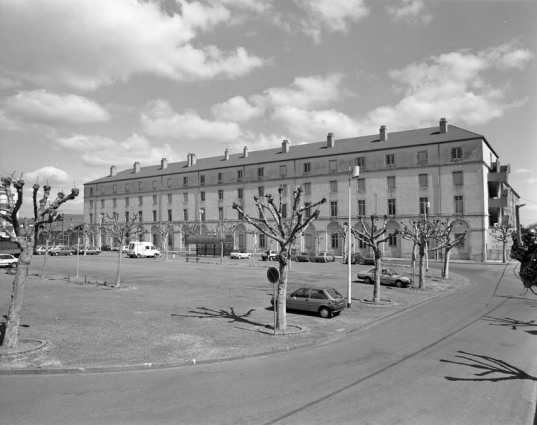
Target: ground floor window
[[335, 240], [262, 241]]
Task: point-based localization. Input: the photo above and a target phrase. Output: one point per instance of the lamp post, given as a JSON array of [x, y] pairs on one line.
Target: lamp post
[[353, 173], [427, 205]]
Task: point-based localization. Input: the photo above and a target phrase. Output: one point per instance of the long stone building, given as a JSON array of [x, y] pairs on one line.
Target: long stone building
[[441, 172]]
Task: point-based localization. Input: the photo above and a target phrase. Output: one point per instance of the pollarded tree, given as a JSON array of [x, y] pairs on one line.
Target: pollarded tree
[[165, 230], [374, 235], [271, 223], [119, 231], [25, 236], [444, 239], [89, 231], [50, 235], [190, 229], [222, 230], [501, 233]]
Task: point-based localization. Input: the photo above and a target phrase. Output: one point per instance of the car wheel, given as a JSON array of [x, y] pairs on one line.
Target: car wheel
[[325, 313], [139, 256], [368, 280], [398, 283]]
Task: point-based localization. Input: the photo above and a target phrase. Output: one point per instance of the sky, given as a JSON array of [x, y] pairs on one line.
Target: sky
[[87, 84]]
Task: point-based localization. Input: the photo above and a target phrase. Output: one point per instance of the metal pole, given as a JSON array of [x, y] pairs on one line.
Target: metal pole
[[77, 253], [349, 267]]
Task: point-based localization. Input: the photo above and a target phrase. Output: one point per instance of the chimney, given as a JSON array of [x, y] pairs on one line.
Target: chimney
[[330, 140], [383, 133], [136, 168], [163, 164], [443, 125], [226, 154], [112, 171], [245, 152], [285, 146], [192, 159]]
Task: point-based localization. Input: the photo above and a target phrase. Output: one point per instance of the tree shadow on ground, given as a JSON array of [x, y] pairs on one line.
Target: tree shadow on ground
[[512, 323], [231, 316], [487, 366]]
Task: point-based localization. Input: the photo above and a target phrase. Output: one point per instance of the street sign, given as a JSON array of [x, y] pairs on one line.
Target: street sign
[[273, 274]]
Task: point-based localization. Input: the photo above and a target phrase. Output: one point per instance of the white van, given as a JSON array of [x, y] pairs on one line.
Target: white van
[[142, 249]]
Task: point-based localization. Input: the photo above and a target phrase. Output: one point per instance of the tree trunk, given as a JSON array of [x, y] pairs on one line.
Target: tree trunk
[[11, 336], [421, 284], [376, 286], [118, 273], [504, 252], [281, 316], [221, 252], [445, 270], [44, 264]]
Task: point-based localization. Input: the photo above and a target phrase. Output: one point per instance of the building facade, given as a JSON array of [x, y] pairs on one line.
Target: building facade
[[438, 172]]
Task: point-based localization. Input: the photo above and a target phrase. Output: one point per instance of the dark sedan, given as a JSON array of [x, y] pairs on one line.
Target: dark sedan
[[324, 301], [61, 250]]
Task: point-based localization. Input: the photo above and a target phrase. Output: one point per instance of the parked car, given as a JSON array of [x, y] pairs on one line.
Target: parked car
[[61, 250], [125, 249], [305, 257], [106, 248], [237, 255], [356, 258], [368, 259], [114, 248], [387, 277], [325, 301], [325, 257], [90, 250], [40, 250], [269, 255], [7, 260]]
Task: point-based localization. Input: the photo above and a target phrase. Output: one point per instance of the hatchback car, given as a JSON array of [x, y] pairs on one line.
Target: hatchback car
[[237, 255], [324, 301], [305, 257], [7, 260], [325, 257], [90, 250], [269, 255], [61, 250], [368, 259], [387, 277], [356, 258]]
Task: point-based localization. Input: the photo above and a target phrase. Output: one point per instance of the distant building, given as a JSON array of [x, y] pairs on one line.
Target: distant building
[[442, 172]]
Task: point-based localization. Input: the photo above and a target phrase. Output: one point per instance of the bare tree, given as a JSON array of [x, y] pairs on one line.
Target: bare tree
[[272, 224], [120, 231], [501, 233], [373, 235], [25, 236], [190, 229], [89, 231], [222, 230], [50, 235], [444, 239], [165, 230], [343, 231]]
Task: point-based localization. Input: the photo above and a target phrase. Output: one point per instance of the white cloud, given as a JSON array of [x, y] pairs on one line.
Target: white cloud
[[160, 120], [522, 171], [48, 175], [330, 15], [83, 143], [409, 11], [236, 109], [87, 44], [39, 105]]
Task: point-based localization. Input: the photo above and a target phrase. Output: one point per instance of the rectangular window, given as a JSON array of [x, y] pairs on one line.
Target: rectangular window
[[457, 201], [239, 174], [220, 194], [91, 190], [308, 209], [220, 213], [423, 157], [91, 204], [390, 181], [261, 191], [114, 202], [457, 236], [361, 244], [333, 208], [127, 187], [202, 214], [392, 241], [170, 198], [240, 193], [170, 215], [284, 210], [307, 188], [390, 160], [220, 177], [424, 205], [361, 207], [334, 238], [307, 167], [185, 180], [391, 206], [332, 166], [262, 241], [127, 216], [361, 185], [140, 216], [333, 186], [102, 203], [423, 180], [185, 214], [456, 154], [202, 196], [185, 197], [127, 202], [260, 172], [91, 218], [114, 188], [140, 186], [154, 215], [102, 190], [169, 183], [202, 179], [140, 200], [170, 240], [360, 162], [154, 184], [283, 170], [154, 199], [458, 178]]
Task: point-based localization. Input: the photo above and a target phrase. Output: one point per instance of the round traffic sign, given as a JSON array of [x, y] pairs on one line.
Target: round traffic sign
[[273, 274]]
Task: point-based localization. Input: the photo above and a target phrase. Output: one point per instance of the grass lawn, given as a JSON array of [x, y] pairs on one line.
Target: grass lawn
[[173, 311]]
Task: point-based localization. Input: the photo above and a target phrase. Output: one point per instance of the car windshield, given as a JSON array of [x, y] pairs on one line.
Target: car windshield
[[333, 293]]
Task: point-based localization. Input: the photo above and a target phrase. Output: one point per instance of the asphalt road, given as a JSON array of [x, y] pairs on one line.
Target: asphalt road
[[454, 360]]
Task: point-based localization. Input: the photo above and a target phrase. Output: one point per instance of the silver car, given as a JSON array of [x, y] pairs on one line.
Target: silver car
[[324, 301], [7, 260], [387, 277]]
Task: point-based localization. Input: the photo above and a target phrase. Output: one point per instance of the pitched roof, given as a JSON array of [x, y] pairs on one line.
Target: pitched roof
[[399, 139]]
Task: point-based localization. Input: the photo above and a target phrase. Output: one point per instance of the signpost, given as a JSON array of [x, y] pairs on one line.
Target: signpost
[[273, 275]]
